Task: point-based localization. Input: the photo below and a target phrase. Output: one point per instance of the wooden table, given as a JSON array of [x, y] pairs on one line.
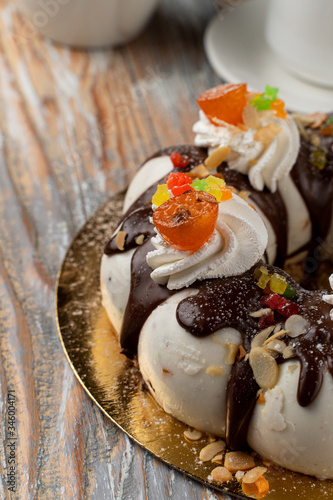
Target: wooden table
[[74, 127]]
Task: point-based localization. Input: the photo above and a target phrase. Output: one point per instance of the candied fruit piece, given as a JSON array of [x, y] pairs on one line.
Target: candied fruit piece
[[199, 184], [289, 293], [226, 194], [179, 183], [318, 158], [267, 320], [215, 191], [188, 220], [288, 309], [211, 180], [178, 179], [263, 280], [273, 300], [225, 102], [278, 284], [257, 273], [161, 195], [178, 160], [278, 107]]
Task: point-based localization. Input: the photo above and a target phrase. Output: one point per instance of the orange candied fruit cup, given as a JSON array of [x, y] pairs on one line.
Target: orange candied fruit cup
[[225, 102]]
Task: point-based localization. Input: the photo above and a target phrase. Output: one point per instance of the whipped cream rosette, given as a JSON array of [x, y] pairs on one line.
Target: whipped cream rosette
[[237, 243]]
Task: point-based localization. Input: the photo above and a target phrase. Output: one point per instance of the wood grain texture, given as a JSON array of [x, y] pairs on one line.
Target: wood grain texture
[[74, 127]]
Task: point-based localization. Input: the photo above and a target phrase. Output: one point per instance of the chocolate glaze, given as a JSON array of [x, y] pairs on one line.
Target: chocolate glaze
[[228, 302]]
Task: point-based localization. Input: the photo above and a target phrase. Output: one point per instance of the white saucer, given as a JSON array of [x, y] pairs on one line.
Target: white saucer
[[236, 48]]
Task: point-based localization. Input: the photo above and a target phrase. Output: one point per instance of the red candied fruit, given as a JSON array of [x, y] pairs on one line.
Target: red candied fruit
[[225, 102], [187, 221], [178, 160], [283, 306], [179, 183], [267, 320]]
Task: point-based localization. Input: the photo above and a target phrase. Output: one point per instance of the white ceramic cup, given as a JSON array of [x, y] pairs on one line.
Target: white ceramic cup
[[300, 33], [88, 23]]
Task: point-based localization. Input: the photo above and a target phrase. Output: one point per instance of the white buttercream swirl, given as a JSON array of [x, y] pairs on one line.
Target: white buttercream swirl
[[265, 166], [238, 242]]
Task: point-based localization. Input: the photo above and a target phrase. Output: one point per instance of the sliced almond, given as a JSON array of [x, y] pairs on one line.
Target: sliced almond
[[244, 194], [238, 460], [250, 116], [264, 367], [120, 239], [193, 435], [260, 338], [296, 325], [260, 312], [221, 475], [232, 353], [252, 475], [277, 346], [280, 333], [217, 459], [217, 157], [212, 449], [317, 119]]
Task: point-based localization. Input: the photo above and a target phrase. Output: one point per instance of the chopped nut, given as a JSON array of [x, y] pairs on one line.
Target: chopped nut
[[242, 353], [217, 157], [120, 239], [296, 325], [277, 328], [139, 240], [212, 438], [238, 460], [212, 449], [201, 170], [215, 370], [267, 133], [221, 475], [260, 312], [288, 352], [244, 194], [261, 399], [232, 353], [260, 338], [315, 140], [252, 475], [317, 119], [218, 458], [264, 367], [193, 435], [239, 475]]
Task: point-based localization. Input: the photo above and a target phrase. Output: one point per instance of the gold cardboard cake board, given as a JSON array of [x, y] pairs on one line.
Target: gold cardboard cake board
[[114, 382]]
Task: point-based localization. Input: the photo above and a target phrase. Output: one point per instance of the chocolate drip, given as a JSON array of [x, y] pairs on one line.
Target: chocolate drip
[[229, 302], [316, 186], [137, 220], [145, 296]]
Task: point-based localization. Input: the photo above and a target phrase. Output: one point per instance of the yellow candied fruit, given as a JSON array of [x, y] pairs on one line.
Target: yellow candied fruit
[[214, 181], [278, 284], [263, 269], [161, 195], [263, 280], [215, 191]]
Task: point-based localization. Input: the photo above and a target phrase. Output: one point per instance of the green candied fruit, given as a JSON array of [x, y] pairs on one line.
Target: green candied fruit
[[264, 100], [329, 121], [199, 184], [289, 293], [318, 158], [278, 284]]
